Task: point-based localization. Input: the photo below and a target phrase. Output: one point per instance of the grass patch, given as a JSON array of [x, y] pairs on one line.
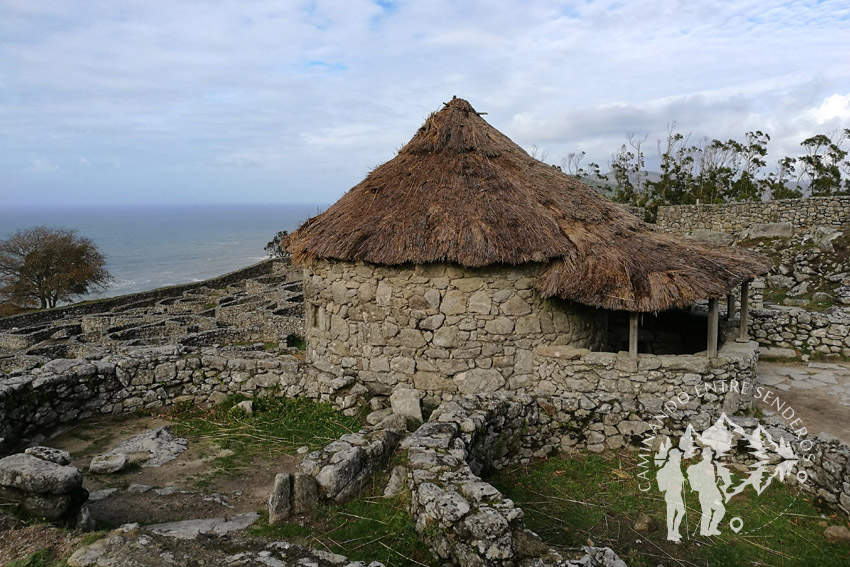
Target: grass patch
[[294, 341], [570, 501], [41, 558], [368, 528], [278, 426]]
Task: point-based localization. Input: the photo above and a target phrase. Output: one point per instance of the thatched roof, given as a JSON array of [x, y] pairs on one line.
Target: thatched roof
[[462, 192]]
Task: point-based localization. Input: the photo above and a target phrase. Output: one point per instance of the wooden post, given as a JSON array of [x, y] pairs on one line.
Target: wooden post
[[633, 334], [730, 306], [712, 327], [742, 332]]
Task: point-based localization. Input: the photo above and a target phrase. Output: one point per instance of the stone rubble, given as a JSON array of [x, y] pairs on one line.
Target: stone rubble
[[344, 467], [194, 529], [42, 488], [130, 546], [152, 448]]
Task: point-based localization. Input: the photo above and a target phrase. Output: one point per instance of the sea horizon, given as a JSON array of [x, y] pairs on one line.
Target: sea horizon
[[155, 245]]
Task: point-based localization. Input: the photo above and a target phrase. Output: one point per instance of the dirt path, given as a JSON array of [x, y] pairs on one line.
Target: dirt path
[[192, 486], [819, 394]]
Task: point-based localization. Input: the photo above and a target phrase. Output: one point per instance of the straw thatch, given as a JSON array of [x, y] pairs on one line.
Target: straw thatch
[[462, 192]]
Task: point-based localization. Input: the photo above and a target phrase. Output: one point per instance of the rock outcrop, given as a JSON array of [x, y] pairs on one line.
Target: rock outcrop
[[41, 484]]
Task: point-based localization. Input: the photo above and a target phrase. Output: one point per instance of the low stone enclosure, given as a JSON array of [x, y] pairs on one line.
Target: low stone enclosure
[[806, 296], [577, 399], [258, 304], [483, 351]]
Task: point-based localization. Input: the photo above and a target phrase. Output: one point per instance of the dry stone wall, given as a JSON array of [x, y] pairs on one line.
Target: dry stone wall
[[735, 217], [438, 328], [805, 331], [261, 269], [66, 390]]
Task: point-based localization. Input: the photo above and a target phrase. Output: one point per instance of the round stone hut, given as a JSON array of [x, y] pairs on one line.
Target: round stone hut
[[448, 266]]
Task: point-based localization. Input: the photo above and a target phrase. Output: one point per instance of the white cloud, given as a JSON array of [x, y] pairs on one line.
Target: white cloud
[[41, 165], [317, 92], [835, 108]]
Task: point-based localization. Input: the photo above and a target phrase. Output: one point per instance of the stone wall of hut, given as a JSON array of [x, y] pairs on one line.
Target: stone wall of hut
[[439, 328]]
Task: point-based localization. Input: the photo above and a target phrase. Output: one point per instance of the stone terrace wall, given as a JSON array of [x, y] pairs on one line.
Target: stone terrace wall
[[806, 331], [99, 306], [735, 217], [66, 390], [437, 327]]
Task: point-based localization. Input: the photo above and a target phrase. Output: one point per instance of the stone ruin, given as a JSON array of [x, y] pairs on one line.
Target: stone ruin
[[571, 398], [259, 304]]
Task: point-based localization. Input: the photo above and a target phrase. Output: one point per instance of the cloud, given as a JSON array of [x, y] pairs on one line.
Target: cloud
[[317, 92], [41, 165], [835, 109]]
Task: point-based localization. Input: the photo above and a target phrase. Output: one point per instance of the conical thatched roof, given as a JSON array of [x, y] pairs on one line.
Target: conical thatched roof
[[462, 192]]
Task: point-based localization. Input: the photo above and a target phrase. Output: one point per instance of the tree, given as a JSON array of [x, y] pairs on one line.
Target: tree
[[273, 247], [44, 265], [777, 183], [823, 162]]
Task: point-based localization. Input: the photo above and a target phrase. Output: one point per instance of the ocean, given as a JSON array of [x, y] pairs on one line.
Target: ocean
[[152, 246]]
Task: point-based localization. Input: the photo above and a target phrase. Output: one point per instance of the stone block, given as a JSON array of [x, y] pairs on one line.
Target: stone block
[[499, 326], [480, 302], [479, 380], [383, 293], [452, 366], [279, 499], [564, 352], [468, 285], [529, 324], [435, 381], [446, 337], [454, 303], [33, 475], [50, 454], [433, 322], [515, 306], [403, 365], [410, 338], [405, 402], [432, 296]]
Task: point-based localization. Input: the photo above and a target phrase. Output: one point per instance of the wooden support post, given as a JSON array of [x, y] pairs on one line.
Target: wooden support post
[[742, 331], [633, 334], [712, 326], [730, 306]]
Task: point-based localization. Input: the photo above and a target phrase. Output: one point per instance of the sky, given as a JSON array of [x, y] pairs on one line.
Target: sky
[[254, 101]]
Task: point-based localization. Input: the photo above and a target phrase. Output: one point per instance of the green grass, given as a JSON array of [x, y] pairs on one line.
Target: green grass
[[570, 501], [278, 426], [368, 528], [41, 558]]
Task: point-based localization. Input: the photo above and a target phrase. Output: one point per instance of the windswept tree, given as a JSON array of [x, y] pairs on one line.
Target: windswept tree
[[43, 266], [823, 163], [273, 247], [778, 183]]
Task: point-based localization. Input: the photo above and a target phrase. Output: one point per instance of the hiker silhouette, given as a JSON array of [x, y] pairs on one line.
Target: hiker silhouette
[[671, 482], [701, 477]]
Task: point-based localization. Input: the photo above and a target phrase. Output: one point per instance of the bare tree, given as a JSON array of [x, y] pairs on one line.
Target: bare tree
[[46, 265]]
